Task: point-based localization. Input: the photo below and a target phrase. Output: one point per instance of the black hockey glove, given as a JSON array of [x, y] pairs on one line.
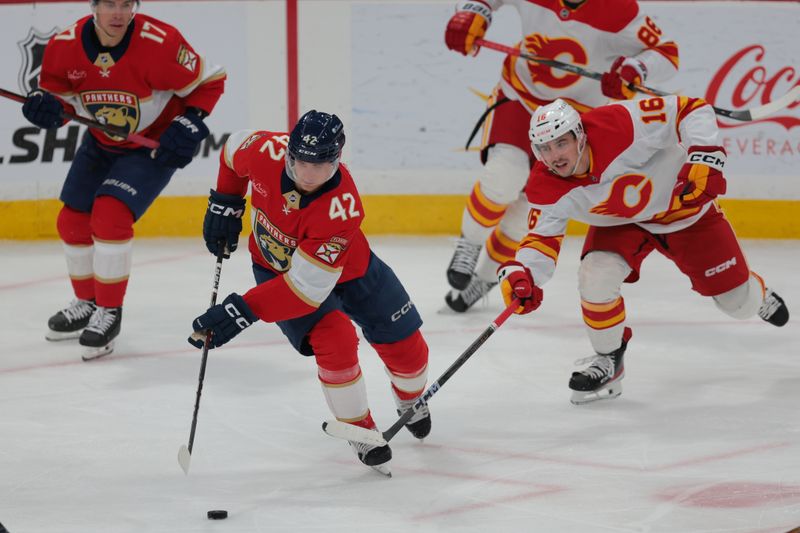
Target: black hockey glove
[[224, 321], [223, 222], [180, 140], [43, 109]]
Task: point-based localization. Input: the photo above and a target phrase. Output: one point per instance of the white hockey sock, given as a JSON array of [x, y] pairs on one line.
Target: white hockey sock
[[112, 261], [345, 392], [79, 260]]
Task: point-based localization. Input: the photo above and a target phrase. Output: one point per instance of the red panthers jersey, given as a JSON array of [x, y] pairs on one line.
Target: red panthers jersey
[[139, 85], [312, 241]]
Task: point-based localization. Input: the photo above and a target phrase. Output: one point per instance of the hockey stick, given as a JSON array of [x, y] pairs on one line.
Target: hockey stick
[[107, 128], [744, 115], [342, 430], [185, 451]]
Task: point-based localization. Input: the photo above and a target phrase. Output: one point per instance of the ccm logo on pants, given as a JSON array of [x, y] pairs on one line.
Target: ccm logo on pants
[[403, 310], [721, 267]]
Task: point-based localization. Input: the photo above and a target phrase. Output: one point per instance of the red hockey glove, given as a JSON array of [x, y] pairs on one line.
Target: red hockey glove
[[516, 281], [470, 22], [700, 179], [623, 71]]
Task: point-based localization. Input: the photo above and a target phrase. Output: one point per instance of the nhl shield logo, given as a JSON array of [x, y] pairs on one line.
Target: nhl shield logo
[[32, 49]]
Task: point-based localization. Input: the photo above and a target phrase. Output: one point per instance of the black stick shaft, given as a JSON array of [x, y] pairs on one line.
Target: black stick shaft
[[452, 369], [206, 344], [744, 115]]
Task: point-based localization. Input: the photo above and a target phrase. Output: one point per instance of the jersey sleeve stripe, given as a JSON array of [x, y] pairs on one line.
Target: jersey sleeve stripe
[[309, 280]]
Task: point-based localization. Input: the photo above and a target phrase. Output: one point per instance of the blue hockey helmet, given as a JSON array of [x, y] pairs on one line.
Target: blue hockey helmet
[[316, 138]]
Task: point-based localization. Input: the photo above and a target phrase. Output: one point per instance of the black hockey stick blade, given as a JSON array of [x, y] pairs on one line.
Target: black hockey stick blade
[[342, 430]]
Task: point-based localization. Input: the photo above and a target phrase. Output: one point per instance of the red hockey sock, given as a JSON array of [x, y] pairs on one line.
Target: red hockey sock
[[112, 229]]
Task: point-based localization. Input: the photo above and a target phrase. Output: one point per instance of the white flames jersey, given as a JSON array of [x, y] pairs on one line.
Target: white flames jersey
[[636, 151], [591, 36]]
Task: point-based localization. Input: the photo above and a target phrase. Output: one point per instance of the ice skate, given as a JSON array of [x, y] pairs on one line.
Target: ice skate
[[99, 335], [70, 321], [774, 309], [461, 301], [420, 424], [462, 265], [602, 379], [375, 457]]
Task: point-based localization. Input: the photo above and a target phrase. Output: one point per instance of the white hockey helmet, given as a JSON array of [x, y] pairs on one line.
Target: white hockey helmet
[[551, 121]]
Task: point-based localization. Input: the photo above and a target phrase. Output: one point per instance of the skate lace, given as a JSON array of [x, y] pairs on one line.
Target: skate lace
[[361, 448], [476, 289], [770, 305], [599, 366], [422, 412], [102, 320], [465, 257], [78, 309]]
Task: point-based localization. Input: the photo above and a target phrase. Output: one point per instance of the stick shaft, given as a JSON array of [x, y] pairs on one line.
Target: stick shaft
[[452, 369], [107, 128], [206, 345], [744, 115]]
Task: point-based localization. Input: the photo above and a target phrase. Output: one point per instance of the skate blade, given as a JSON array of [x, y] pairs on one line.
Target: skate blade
[[382, 469], [55, 336], [96, 352], [609, 392]]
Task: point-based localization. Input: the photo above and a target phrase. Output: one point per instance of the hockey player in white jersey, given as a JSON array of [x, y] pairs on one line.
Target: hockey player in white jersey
[[613, 36], [644, 175]]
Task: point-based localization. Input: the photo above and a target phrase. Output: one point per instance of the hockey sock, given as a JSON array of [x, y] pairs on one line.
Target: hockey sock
[[605, 324], [335, 344], [743, 301], [407, 365], [112, 230], [76, 235]]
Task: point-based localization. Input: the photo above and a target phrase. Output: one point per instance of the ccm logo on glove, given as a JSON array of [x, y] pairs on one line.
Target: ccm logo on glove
[[705, 158], [234, 313]]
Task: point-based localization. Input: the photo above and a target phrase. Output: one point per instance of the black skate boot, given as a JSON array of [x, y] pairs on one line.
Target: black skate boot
[[602, 379], [420, 424], [461, 301], [376, 457], [462, 265], [99, 335], [774, 309], [69, 322]]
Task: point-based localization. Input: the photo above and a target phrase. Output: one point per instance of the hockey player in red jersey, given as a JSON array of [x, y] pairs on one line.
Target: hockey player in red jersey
[[644, 175], [612, 36], [315, 270], [138, 73]]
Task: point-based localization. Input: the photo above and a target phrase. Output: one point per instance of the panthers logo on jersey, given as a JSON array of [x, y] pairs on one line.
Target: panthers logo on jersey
[[115, 108], [276, 247]]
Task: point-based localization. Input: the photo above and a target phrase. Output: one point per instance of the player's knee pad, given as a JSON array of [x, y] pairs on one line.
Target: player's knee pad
[[74, 226], [600, 276], [505, 173], [743, 301], [334, 342], [111, 219]]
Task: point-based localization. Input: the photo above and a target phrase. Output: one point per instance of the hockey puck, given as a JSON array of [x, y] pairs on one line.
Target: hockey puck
[[217, 515]]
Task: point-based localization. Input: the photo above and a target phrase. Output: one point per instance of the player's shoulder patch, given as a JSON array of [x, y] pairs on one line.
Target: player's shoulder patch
[[187, 58], [329, 252]]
